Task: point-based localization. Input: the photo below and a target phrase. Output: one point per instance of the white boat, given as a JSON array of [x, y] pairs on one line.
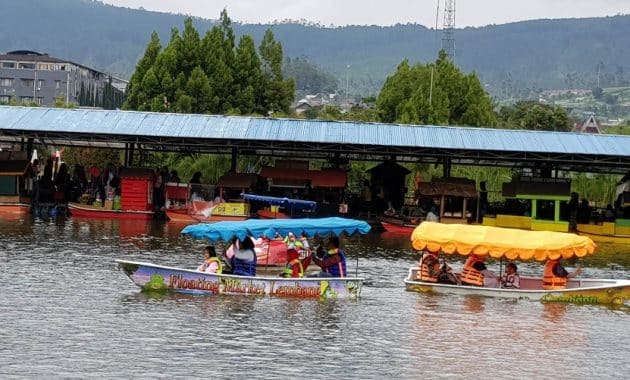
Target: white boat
[[512, 244], [152, 277], [580, 291]]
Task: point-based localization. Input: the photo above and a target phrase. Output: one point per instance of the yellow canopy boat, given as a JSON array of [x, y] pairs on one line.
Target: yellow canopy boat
[[514, 244]]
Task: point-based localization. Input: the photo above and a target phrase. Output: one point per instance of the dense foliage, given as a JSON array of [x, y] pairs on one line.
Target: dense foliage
[[535, 116], [211, 74], [438, 94]]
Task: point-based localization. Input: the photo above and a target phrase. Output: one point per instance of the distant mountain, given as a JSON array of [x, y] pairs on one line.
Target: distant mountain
[[512, 59]]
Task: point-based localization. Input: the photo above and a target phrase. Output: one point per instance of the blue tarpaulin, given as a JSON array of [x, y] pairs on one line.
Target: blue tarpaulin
[[284, 202], [269, 227]]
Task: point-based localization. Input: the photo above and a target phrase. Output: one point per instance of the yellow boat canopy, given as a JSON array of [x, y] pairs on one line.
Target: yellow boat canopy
[[513, 244]]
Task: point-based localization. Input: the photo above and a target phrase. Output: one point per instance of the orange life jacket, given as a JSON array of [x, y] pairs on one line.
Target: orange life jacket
[[471, 275], [550, 280], [429, 268]]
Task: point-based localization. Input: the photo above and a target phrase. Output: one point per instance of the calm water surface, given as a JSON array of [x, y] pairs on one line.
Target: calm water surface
[[66, 311]]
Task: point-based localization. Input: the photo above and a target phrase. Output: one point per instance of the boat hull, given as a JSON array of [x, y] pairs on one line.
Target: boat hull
[[185, 218], [398, 229], [15, 208], [79, 210], [152, 277], [585, 291]]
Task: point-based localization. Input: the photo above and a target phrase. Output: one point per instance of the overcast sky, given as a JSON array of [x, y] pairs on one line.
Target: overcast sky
[[384, 12]]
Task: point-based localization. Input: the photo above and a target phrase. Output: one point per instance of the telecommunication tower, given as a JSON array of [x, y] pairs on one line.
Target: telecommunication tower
[[448, 31]]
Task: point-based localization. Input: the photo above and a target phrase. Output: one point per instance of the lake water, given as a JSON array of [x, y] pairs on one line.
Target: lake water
[[66, 311]]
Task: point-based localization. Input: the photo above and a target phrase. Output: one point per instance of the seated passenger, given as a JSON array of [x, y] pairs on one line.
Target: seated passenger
[[332, 261], [511, 279], [244, 259], [429, 267], [555, 275], [211, 264], [447, 276], [476, 273], [294, 267]]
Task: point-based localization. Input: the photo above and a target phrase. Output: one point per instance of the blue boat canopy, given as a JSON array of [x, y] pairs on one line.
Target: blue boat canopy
[[284, 202], [269, 227]]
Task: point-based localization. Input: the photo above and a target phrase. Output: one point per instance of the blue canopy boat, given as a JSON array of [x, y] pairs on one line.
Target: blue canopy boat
[[277, 202], [154, 277]]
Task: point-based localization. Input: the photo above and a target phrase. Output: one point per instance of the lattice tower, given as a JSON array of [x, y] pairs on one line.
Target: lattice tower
[[448, 31]]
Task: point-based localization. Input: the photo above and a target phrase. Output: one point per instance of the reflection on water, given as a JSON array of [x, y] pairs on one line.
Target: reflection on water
[[67, 310]]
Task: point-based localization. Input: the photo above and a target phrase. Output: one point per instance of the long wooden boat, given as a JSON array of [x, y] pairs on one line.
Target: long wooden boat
[[86, 211], [514, 244], [581, 291], [403, 229], [152, 277], [15, 208]]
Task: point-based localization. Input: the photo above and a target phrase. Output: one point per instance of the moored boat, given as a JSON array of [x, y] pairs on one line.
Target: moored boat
[[402, 228], [514, 244], [154, 277], [91, 211]]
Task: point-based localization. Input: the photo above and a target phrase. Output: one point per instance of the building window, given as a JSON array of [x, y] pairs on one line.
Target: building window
[[5, 98], [23, 65], [8, 82], [8, 65], [40, 83], [26, 99], [57, 84], [28, 82], [40, 101]]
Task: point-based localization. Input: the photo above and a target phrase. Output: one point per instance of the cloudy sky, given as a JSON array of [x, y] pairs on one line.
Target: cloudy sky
[[384, 12]]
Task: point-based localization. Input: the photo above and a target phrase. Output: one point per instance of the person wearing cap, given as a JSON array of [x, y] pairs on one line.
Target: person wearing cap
[[332, 261], [294, 267], [292, 242]]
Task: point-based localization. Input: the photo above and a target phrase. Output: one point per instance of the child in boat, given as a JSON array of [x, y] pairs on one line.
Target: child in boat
[[294, 267], [211, 263], [511, 279]]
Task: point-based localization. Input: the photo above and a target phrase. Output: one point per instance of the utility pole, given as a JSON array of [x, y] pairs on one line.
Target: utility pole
[[437, 14], [448, 36]]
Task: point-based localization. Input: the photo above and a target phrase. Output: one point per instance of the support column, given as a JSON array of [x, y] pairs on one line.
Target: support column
[[234, 157], [446, 167]]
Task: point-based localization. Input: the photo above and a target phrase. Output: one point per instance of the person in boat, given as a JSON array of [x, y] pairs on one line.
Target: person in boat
[[476, 273], [195, 184], [433, 215], [555, 275], [244, 259], [429, 267], [292, 242], [332, 260], [511, 279], [294, 268], [211, 263]]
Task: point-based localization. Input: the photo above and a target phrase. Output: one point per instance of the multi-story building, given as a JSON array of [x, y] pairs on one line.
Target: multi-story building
[[31, 77]]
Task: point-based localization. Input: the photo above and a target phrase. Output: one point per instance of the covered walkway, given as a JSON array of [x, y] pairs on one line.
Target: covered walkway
[[335, 141]]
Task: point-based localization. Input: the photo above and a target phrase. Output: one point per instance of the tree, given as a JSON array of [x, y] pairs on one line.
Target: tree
[[145, 63], [199, 91], [534, 116], [247, 75], [277, 93]]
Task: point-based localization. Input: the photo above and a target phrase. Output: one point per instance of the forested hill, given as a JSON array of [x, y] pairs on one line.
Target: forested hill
[[533, 54]]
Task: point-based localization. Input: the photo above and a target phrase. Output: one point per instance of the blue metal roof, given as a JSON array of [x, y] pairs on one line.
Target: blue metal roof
[[364, 137], [131, 123]]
